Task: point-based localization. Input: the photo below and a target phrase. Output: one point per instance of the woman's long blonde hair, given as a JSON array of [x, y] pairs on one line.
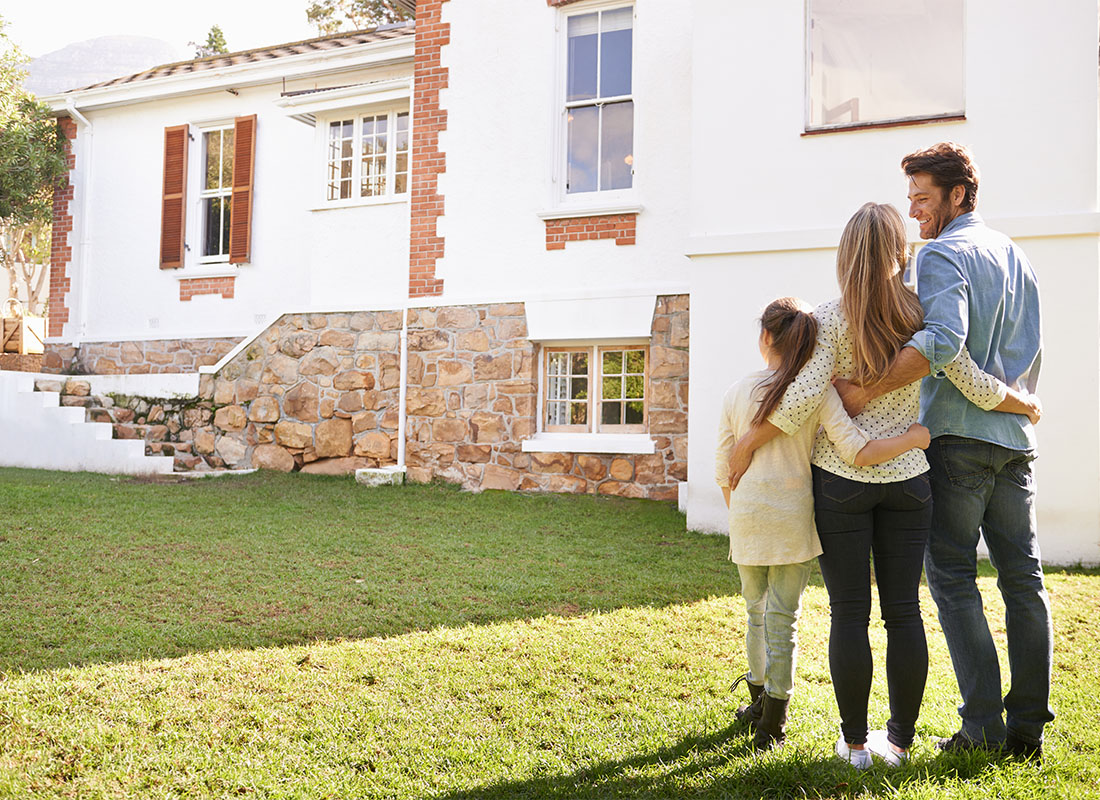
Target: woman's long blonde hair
[[882, 312]]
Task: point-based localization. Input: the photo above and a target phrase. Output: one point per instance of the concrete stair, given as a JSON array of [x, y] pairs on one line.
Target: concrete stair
[[44, 430]]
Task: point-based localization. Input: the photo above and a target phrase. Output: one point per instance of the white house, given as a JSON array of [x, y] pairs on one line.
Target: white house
[[472, 246]]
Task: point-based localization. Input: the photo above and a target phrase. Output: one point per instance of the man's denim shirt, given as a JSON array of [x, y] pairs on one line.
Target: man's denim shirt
[[977, 288]]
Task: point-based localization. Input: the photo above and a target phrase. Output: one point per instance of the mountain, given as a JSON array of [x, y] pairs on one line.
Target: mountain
[[93, 60]]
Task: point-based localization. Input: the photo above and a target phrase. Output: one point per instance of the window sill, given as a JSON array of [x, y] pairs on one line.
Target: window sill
[[593, 210], [639, 443], [219, 269], [895, 123], [366, 201]]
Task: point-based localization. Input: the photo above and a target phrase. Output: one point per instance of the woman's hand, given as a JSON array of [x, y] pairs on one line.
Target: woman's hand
[[919, 435], [1035, 408], [853, 396]]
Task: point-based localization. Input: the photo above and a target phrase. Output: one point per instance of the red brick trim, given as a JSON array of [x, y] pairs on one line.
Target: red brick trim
[[429, 76], [189, 287], [620, 227], [61, 251]]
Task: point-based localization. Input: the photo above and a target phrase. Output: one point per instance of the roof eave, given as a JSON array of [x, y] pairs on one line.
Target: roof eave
[[239, 76]]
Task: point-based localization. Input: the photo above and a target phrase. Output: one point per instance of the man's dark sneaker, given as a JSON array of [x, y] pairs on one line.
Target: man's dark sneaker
[[961, 743], [1022, 749]]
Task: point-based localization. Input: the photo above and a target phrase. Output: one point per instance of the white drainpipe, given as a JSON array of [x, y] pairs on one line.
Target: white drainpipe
[[404, 386], [85, 170]]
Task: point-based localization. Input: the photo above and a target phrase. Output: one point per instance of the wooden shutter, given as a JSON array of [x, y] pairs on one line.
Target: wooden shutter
[[240, 219], [173, 206]]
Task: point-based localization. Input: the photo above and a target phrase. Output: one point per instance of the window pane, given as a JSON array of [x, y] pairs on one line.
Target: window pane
[[580, 389], [556, 413], [559, 388], [612, 362], [635, 361], [611, 414], [635, 413], [213, 236], [557, 363], [227, 158], [400, 184], [581, 76], [615, 47], [872, 61], [578, 414], [617, 160], [635, 386], [213, 141], [612, 388], [583, 133]]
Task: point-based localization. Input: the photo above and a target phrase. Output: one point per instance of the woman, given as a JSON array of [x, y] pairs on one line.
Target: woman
[[881, 511]]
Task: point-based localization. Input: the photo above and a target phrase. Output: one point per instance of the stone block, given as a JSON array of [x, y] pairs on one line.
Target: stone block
[[333, 338], [131, 353], [551, 462], [350, 402], [592, 467], [664, 492], [373, 340], [225, 392], [418, 474], [649, 468], [230, 418], [389, 419], [453, 373], [679, 333], [380, 477], [488, 368], [506, 310], [293, 434], [328, 408], [497, 477], [475, 341], [666, 362], [663, 394], [485, 427], [301, 402], [391, 377], [388, 320], [514, 328], [77, 388], [449, 430], [454, 317], [347, 381], [621, 469], [619, 489], [474, 453], [319, 361], [333, 438], [361, 321], [425, 402], [667, 421], [373, 445], [280, 369], [264, 409], [231, 450], [567, 483], [429, 340], [297, 344], [364, 421], [335, 466]]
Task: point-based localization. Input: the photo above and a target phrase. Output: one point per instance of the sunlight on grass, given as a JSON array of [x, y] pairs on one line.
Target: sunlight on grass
[[575, 649]]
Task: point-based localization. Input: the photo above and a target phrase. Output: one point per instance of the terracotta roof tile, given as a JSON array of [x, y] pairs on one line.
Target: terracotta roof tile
[[333, 42]]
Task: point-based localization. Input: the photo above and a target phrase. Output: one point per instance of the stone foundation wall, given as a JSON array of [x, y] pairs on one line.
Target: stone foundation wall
[[472, 399], [137, 357], [26, 362], [316, 393]]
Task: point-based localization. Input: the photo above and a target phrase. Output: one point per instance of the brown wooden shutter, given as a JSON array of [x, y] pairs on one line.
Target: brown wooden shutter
[[240, 219], [173, 207]]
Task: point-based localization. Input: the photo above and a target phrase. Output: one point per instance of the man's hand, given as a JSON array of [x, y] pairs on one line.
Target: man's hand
[[1035, 408], [740, 459], [853, 396]]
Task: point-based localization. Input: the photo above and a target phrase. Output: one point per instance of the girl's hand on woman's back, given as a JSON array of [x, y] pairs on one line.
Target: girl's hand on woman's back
[[919, 436]]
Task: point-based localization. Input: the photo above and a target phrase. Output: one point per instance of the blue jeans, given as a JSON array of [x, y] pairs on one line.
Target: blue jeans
[[888, 521], [773, 599], [986, 489]]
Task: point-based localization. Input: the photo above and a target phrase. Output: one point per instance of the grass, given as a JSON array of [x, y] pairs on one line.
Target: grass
[[297, 636]]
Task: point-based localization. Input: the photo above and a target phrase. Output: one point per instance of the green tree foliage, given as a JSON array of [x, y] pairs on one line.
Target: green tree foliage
[[32, 161], [215, 44], [330, 16]]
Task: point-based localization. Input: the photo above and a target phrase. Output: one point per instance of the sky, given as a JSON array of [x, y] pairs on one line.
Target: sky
[[42, 26]]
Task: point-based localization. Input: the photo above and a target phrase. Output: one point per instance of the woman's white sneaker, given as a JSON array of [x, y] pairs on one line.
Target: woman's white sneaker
[[860, 759], [878, 744]]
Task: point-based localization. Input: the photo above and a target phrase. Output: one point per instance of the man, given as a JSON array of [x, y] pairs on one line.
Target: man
[[978, 289]]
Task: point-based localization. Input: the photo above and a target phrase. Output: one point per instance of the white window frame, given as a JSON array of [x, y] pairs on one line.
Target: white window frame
[[595, 398], [203, 195], [195, 264], [810, 129], [321, 163], [602, 201]]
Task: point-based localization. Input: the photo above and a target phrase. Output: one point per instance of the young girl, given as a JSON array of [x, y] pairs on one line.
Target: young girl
[[773, 540]]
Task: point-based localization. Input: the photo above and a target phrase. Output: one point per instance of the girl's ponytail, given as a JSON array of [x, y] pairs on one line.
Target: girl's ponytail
[[794, 333]]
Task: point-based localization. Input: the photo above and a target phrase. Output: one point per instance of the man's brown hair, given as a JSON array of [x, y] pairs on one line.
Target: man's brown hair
[[950, 165]]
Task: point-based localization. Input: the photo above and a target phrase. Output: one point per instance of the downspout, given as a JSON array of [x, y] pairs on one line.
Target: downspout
[[85, 221], [402, 392]]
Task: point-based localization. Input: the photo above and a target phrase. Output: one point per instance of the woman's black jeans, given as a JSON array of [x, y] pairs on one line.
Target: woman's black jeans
[[890, 522]]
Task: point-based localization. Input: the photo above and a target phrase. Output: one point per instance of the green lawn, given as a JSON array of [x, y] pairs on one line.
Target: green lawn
[[299, 636]]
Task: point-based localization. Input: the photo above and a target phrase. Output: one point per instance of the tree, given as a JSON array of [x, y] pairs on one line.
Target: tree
[[215, 44], [32, 161], [330, 16]]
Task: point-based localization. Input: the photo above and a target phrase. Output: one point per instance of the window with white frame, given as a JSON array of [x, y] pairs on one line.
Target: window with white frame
[[367, 156], [599, 101], [216, 193], [595, 389], [873, 62]]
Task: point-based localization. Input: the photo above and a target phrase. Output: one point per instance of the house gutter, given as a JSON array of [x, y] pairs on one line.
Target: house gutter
[[85, 221]]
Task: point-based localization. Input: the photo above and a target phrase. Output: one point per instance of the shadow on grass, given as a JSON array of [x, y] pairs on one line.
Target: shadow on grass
[[724, 765], [95, 568]]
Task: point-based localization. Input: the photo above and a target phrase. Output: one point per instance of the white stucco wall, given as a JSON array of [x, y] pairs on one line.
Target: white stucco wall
[[761, 191], [502, 145], [304, 255]]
